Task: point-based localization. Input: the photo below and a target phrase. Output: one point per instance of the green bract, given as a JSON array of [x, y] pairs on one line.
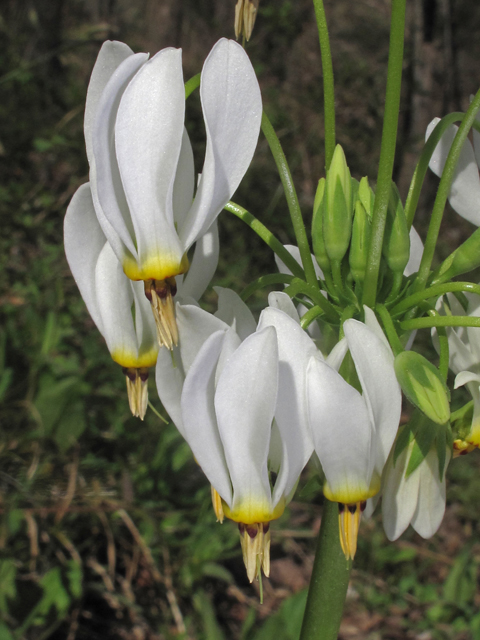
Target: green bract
[[423, 385]]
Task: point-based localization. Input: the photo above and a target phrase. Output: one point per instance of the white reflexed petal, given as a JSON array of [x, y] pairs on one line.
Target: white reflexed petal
[[230, 345], [203, 265], [295, 253], [194, 327], [440, 153], [282, 301], [84, 241], [400, 495], [245, 405], [464, 377], [381, 391], [232, 109], [431, 496], [461, 357], [115, 299], [169, 378], [110, 56], [295, 348], [372, 323], [199, 421], [148, 137], [184, 184], [464, 194], [107, 190], [231, 308], [416, 252], [341, 429], [337, 354]]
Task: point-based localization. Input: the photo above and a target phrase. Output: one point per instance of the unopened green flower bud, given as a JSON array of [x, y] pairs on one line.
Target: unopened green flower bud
[[396, 241], [338, 207], [423, 385], [462, 260], [361, 230], [366, 196], [317, 228]]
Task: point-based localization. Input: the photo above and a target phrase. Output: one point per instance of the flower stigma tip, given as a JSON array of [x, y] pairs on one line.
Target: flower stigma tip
[[137, 390], [255, 541], [349, 516], [217, 505], [160, 294]]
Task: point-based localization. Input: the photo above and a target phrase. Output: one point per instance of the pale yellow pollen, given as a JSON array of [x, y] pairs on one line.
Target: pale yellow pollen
[[160, 294], [217, 505], [137, 390], [245, 16], [462, 447], [349, 516], [255, 542]]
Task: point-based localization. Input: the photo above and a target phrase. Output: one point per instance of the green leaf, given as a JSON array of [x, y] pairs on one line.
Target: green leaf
[[8, 573], [52, 399], [204, 608], [461, 583], [70, 427]]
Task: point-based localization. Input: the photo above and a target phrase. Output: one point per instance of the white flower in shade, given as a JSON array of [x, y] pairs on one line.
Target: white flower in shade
[[110, 296], [418, 499], [464, 361], [237, 395], [141, 163], [353, 432], [464, 196]]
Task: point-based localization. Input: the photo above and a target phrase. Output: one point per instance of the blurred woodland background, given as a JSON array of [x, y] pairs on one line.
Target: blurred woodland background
[[106, 526]]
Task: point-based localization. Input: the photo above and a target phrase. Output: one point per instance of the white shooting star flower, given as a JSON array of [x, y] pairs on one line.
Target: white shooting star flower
[[353, 432], [237, 396], [110, 296], [141, 163]]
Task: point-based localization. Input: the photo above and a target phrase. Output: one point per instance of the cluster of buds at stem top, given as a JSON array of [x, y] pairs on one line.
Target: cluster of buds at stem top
[[341, 225]]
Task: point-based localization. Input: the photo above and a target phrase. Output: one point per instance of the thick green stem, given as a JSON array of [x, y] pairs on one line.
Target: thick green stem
[[267, 236], [266, 281], [328, 85], [311, 315], [191, 85], [433, 292], [391, 334], [387, 152], [443, 191], [292, 199], [329, 581], [440, 321]]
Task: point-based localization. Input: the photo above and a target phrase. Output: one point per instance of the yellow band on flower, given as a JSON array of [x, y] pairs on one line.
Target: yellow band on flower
[[131, 360], [252, 511], [353, 493], [156, 267]]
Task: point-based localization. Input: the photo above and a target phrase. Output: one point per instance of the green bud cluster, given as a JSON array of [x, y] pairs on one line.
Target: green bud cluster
[[342, 221]]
